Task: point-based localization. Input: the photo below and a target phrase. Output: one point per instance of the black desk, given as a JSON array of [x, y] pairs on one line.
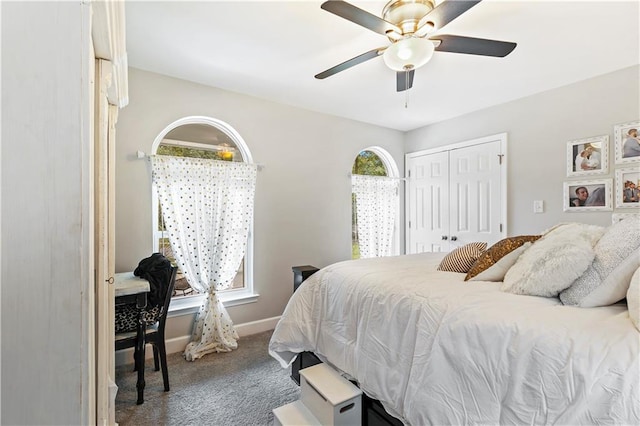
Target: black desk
[[130, 289]]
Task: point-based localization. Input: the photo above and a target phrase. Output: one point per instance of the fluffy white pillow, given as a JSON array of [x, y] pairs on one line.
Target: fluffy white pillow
[[554, 261], [633, 299], [497, 271], [606, 281]]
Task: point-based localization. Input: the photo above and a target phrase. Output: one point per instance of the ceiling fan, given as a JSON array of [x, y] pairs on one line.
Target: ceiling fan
[[408, 25]]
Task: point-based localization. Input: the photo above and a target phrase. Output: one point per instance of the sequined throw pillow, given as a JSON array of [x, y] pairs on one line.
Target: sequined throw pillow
[[461, 259], [497, 252]]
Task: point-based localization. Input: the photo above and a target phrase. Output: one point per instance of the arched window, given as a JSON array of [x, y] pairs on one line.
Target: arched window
[[202, 137], [375, 204]]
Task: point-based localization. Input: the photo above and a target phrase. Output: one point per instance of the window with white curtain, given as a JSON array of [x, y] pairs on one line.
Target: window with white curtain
[[375, 204], [202, 137]]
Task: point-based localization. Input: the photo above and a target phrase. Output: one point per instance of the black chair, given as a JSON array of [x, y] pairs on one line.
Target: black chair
[[154, 334]]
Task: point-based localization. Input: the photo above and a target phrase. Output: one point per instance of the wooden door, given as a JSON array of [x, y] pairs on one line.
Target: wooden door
[[104, 187], [428, 211], [475, 194]]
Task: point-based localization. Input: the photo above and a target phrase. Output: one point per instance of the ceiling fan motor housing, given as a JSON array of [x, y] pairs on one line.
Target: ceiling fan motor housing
[[406, 14]]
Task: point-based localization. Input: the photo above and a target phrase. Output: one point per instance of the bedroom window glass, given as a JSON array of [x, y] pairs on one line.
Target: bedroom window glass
[[374, 204], [199, 140]]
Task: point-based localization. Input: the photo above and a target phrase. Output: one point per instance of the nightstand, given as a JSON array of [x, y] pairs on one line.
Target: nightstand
[[301, 273], [305, 359]]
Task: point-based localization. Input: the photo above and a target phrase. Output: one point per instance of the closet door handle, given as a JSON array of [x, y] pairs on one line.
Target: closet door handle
[[445, 238], [454, 238]]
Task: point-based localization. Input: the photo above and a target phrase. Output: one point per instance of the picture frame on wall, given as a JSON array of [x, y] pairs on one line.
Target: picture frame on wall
[[627, 191], [588, 195], [588, 156], [627, 142]]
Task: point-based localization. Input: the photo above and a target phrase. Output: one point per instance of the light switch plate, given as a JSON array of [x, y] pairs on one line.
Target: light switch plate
[[538, 206]]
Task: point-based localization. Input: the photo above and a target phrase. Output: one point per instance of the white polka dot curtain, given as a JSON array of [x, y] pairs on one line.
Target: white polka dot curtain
[[376, 211], [207, 207]]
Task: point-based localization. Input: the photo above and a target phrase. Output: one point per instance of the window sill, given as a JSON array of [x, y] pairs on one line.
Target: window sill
[[191, 304]]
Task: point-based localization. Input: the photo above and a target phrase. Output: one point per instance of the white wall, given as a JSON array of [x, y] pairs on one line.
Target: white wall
[[46, 272], [539, 128], [302, 201], [303, 194]]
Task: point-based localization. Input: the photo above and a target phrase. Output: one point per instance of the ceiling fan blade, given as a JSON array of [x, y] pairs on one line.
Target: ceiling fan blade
[[473, 46], [361, 17], [350, 63], [442, 14], [401, 80]]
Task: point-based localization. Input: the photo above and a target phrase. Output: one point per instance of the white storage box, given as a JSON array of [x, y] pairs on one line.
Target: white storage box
[[294, 414], [331, 398]]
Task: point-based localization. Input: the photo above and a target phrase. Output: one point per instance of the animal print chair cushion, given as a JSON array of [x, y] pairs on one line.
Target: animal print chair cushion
[[127, 317], [496, 252], [461, 259]]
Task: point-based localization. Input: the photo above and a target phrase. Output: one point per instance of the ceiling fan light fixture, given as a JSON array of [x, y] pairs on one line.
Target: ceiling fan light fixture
[[408, 53]]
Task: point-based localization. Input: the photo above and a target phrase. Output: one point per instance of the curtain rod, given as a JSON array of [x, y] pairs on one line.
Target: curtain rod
[[141, 155]]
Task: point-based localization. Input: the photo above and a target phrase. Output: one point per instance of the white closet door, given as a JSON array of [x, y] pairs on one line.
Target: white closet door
[[475, 197], [456, 195], [428, 183]]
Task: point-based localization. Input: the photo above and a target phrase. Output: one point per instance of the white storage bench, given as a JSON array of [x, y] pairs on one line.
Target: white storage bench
[[326, 399]]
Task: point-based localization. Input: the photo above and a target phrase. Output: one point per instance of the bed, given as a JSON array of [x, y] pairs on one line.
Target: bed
[[436, 349]]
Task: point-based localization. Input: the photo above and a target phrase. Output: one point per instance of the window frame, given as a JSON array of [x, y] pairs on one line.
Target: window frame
[[232, 297]]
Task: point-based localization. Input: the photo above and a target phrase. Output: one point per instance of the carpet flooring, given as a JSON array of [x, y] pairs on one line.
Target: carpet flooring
[[235, 388]]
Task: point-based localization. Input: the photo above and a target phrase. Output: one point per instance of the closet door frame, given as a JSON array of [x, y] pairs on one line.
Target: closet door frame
[[502, 158]]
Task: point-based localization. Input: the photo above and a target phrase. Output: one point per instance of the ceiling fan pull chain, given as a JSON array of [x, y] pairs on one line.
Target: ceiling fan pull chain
[[406, 92]]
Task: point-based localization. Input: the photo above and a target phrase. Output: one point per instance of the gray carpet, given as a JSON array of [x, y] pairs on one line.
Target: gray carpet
[[236, 388]]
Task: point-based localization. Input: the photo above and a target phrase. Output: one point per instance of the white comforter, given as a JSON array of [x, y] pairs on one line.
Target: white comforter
[[437, 350]]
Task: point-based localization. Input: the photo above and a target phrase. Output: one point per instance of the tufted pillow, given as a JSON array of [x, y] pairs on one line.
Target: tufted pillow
[[633, 299], [461, 259], [497, 252], [498, 270], [554, 261], [606, 281]]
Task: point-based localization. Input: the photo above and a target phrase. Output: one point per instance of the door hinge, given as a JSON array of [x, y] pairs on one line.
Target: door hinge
[[409, 224], [500, 158], [409, 173], [500, 227]]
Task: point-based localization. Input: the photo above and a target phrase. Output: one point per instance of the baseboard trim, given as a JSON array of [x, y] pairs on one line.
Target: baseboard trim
[[177, 344]]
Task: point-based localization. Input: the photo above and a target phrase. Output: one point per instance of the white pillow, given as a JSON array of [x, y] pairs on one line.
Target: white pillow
[[554, 261], [606, 281], [633, 299], [497, 271]]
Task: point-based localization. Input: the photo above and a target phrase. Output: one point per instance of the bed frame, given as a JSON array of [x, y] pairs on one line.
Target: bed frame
[[373, 413]]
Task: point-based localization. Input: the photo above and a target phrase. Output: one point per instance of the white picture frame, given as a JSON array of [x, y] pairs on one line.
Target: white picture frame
[[622, 136], [589, 156], [627, 191], [598, 197]]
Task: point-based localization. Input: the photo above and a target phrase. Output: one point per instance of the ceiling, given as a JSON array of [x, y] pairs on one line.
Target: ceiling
[[273, 49]]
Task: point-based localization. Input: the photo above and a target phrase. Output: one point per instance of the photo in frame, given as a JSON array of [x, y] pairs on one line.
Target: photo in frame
[[588, 156], [627, 142], [627, 191], [588, 195]]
